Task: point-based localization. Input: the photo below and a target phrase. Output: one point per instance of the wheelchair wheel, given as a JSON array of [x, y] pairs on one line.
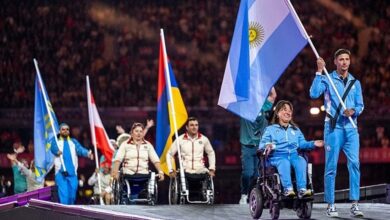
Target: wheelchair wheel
[[154, 196], [116, 192], [256, 203], [304, 210], [274, 211], [182, 200], [173, 191], [211, 187], [94, 200]]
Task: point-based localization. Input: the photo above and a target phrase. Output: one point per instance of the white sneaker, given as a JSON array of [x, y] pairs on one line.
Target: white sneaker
[[355, 211], [331, 211], [244, 199]]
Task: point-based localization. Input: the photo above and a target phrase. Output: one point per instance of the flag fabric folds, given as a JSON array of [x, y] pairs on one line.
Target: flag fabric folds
[[98, 133], [266, 39], [44, 130], [165, 127]]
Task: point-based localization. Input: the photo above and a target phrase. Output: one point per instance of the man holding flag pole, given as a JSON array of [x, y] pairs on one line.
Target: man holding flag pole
[[62, 146], [69, 148], [340, 133], [267, 37]]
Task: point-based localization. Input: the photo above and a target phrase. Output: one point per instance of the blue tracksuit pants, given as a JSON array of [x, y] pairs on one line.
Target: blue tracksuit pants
[[283, 164], [67, 188], [346, 139]]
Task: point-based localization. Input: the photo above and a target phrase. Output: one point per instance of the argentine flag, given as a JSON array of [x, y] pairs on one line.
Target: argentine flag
[[267, 37]]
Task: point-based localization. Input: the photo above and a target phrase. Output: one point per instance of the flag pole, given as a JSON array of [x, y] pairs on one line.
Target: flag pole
[[48, 112], [168, 81], [318, 56], [93, 135]]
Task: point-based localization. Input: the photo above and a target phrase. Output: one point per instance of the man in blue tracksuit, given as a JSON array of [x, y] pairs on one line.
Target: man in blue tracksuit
[[69, 149], [339, 133], [284, 139]]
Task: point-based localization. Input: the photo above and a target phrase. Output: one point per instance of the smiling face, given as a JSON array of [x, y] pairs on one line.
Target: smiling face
[[285, 114]]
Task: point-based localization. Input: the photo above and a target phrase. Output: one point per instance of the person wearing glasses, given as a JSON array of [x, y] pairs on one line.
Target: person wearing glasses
[[66, 179]]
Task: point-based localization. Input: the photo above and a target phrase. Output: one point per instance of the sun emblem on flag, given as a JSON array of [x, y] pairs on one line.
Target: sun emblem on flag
[[256, 34]]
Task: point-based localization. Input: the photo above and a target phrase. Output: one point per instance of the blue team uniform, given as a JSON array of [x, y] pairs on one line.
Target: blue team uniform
[[341, 135], [67, 184], [286, 141]]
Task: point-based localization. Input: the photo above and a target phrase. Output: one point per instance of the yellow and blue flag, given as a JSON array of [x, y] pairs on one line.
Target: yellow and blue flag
[[165, 126], [45, 128]]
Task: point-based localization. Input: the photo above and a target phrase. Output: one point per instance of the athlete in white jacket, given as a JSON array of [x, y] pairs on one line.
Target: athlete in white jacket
[[193, 145]]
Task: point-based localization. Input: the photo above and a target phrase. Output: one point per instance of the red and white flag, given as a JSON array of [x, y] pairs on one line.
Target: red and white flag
[[99, 136]]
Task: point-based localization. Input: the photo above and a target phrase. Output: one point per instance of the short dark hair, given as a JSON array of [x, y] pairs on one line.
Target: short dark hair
[[191, 119], [341, 51]]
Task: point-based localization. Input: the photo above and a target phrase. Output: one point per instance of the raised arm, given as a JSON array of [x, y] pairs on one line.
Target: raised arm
[[318, 86], [149, 124]]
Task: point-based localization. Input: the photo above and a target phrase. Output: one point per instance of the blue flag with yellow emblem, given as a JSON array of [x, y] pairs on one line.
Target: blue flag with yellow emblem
[[44, 128], [266, 38]]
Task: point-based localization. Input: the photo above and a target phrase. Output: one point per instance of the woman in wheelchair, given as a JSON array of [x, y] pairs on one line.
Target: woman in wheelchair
[[281, 142], [134, 156]]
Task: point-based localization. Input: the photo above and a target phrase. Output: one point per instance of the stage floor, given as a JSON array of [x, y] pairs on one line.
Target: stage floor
[[235, 212]]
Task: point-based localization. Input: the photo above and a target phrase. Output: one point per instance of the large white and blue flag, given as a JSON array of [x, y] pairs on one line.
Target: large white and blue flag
[[267, 37]]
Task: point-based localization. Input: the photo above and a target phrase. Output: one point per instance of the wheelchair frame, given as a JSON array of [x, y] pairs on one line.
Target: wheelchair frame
[[122, 190], [179, 196], [267, 193]]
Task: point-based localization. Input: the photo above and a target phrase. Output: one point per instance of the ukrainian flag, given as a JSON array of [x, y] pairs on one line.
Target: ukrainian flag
[[43, 129], [165, 126]]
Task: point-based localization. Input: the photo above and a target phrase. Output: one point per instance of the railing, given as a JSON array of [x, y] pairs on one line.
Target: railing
[[46, 193]]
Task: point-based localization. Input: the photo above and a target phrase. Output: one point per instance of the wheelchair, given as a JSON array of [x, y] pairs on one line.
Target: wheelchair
[[267, 192], [137, 188], [199, 188]]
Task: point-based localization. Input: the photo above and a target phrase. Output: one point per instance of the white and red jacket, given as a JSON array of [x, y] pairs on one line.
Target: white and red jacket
[[192, 153], [136, 157]]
